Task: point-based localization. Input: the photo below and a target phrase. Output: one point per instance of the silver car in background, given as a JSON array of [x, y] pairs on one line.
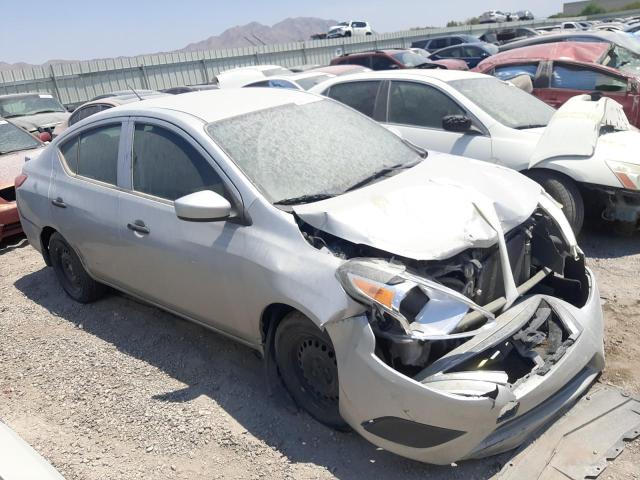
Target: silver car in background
[[34, 112], [437, 305]]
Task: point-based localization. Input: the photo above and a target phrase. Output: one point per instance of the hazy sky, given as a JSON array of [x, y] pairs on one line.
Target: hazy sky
[[35, 31]]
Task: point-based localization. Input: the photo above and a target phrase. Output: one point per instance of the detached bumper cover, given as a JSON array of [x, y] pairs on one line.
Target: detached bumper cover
[[425, 421]]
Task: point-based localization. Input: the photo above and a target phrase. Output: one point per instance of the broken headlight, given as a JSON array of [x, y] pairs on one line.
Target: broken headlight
[[423, 308], [628, 174]]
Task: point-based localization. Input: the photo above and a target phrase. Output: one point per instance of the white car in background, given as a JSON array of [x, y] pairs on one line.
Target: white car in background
[[352, 28], [241, 76], [296, 81], [585, 153], [493, 16]]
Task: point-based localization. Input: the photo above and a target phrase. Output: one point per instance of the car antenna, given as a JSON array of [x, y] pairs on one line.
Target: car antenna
[[134, 92]]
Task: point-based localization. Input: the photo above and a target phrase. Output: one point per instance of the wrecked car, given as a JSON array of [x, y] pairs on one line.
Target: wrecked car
[[15, 146], [439, 306], [34, 112], [582, 154]]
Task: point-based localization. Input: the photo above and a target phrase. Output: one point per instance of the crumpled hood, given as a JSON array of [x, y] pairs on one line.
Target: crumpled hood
[[430, 212], [11, 165], [31, 123], [574, 130]]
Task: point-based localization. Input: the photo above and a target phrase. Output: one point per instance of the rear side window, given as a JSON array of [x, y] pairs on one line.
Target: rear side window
[[358, 95], [358, 24], [419, 105], [510, 71], [452, 53], [438, 43], [364, 61], [576, 78], [455, 41], [94, 153], [380, 62], [167, 166], [98, 154]]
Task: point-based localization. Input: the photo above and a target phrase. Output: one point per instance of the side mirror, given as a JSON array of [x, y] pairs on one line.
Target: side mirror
[[456, 123], [204, 206]]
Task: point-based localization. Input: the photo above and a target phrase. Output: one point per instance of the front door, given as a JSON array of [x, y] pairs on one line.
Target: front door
[[417, 110], [192, 268]]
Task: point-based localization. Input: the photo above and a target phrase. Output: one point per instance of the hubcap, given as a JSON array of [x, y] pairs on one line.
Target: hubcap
[[318, 365]]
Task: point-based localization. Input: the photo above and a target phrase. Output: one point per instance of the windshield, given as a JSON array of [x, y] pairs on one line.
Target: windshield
[[319, 148], [623, 59], [308, 82], [28, 105], [410, 59], [13, 139], [505, 103], [343, 24]]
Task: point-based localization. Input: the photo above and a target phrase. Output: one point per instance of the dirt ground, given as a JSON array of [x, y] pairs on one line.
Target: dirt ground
[[121, 390]]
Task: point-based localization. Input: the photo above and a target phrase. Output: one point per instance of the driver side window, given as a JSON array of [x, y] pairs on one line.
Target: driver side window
[[167, 166], [419, 105]]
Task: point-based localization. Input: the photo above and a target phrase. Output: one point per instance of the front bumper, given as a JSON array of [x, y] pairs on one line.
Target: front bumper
[[424, 421], [616, 204]]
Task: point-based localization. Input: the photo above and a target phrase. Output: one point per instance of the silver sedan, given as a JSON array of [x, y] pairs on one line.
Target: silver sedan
[[437, 305]]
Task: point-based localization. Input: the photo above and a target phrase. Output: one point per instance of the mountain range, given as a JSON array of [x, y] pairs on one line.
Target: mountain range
[[254, 33]]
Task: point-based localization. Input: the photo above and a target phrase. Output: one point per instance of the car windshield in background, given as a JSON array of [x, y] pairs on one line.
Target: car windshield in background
[[296, 151], [14, 139], [308, 82], [29, 105], [276, 71], [505, 103], [409, 59], [623, 59]]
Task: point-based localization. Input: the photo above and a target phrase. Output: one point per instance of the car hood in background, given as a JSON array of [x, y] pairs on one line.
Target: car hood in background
[[575, 128], [31, 123], [21, 462], [11, 166], [430, 212]]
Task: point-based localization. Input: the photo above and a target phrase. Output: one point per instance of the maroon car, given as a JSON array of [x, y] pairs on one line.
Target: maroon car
[[396, 59], [563, 70]]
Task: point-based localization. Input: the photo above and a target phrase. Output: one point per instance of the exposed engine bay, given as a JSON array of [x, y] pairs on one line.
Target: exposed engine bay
[[422, 310]]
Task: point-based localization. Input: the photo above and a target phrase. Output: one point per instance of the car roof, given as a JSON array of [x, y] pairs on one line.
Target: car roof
[[412, 74], [339, 69], [213, 105], [121, 99], [586, 52], [459, 35]]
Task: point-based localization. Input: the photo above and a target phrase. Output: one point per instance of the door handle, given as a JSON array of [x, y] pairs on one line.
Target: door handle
[[59, 203], [139, 226]]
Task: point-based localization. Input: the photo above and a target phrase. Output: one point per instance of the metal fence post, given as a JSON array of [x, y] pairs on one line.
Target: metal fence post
[[145, 79], [55, 83], [205, 74]]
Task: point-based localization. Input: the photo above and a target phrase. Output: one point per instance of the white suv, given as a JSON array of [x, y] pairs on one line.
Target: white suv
[[350, 29]]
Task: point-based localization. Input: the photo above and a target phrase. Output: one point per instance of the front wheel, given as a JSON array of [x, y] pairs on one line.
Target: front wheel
[[71, 273], [564, 191], [308, 367]]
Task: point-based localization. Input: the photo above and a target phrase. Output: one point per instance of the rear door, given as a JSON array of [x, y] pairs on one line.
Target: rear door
[[568, 80], [417, 111], [84, 195]]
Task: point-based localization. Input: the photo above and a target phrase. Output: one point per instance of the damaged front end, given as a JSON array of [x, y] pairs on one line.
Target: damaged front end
[[458, 350]]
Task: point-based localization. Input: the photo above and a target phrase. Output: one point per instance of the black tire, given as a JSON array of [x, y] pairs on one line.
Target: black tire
[[71, 274], [308, 367], [564, 191], [347, 34]]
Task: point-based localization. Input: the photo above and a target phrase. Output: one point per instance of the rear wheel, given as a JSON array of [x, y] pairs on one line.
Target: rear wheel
[[71, 274], [564, 191], [308, 367]]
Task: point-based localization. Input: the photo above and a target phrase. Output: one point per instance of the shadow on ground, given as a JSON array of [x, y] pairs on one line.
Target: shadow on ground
[[600, 241], [232, 375]]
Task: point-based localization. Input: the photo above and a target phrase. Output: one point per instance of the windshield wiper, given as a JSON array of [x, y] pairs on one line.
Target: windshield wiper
[[316, 197], [382, 173], [427, 65], [45, 111], [13, 115], [525, 127]]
